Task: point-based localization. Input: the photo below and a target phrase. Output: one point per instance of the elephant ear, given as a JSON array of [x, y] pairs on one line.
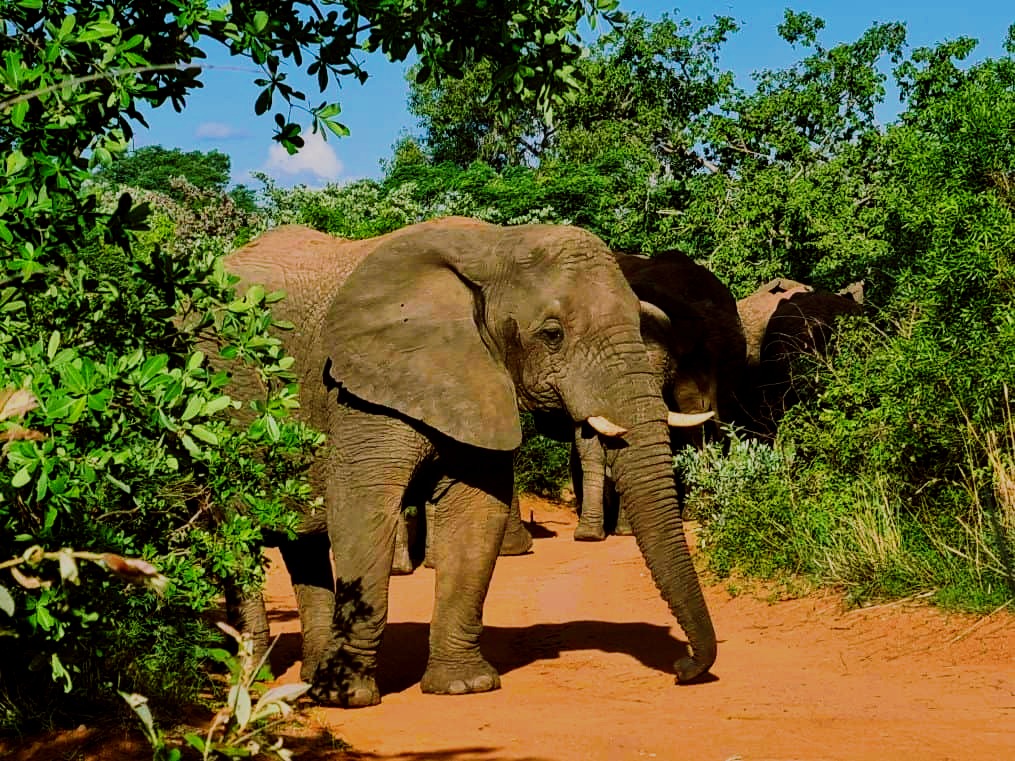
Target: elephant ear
[[405, 332]]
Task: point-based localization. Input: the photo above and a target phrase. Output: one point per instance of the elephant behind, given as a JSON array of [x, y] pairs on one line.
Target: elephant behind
[[695, 347], [414, 352], [785, 320]]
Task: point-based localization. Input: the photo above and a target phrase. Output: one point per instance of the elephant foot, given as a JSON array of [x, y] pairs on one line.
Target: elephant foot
[[457, 678], [589, 531], [342, 679], [623, 525], [401, 563], [360, 692], [517, 541]]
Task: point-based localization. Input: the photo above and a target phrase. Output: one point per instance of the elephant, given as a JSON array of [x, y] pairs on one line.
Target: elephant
[[695, 347], [784, 320], [415, 351]]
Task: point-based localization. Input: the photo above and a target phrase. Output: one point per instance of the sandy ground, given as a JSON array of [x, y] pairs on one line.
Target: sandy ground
[[585, 646]]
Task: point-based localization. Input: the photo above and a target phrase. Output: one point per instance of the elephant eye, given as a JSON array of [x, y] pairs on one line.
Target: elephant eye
[[552, 334]]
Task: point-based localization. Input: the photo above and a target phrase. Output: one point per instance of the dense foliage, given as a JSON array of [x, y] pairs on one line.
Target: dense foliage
[[119, 437], [894, 476]]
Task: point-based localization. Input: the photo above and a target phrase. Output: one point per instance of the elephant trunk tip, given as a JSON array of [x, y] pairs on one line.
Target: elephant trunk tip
[[689, 669]]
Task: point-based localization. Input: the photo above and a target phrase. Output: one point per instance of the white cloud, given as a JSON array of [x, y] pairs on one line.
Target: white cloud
[[218, 131], [316, 158]]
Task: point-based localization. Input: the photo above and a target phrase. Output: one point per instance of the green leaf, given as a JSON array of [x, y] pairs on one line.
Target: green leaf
[[59, 672], [274, 296], [254, 295], [6, 601], [118, 483], [194, 405], [205, 434], [22, 477], [54, 344], [16, 161], [18, 113], [195, 741], [217, 404], [239, 701], [330, 110], [260, 21], [152, 367], [271, 424], [336, 128], [190, 445], [98, 30]]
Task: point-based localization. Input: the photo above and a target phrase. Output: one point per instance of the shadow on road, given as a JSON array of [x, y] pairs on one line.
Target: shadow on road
[[402, 659], [403, 655]]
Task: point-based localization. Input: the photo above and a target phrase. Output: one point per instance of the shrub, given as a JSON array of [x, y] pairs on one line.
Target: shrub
[[542, 464]]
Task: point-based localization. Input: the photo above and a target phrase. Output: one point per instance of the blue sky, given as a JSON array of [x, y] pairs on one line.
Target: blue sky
[[221, 116]]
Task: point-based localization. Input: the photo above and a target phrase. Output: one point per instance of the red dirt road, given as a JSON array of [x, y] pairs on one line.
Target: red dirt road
[[585, 646]]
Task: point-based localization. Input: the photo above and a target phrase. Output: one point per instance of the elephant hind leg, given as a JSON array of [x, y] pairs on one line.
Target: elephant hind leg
[[247, 612], [517, 539], [307, 558], [474, 517], [588, 476]]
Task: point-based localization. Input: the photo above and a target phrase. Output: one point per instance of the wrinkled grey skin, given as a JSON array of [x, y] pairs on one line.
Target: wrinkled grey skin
[[784, 320], [414, 537], [695, 348], [414, 364]]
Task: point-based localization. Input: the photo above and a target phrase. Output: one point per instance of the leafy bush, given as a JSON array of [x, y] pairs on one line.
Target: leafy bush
[[738, 490], [542, 465], [137, 455]]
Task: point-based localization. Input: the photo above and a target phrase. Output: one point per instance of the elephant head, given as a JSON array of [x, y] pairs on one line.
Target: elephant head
[[784, 320], [692, 330]]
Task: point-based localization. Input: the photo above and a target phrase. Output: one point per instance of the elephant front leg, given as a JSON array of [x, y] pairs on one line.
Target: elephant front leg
[[473, 522], [375, 458], [588, 463], [362, 547]]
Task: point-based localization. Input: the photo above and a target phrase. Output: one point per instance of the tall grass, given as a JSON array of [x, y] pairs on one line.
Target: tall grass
[[765, 512]]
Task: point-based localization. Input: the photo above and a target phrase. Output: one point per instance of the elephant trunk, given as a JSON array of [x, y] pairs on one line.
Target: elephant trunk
[[643, 471]]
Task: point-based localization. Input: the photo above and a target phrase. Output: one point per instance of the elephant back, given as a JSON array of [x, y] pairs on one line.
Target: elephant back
[[804, 323], [309, 266]]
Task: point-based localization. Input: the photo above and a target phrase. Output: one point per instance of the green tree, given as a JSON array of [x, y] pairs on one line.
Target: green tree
[[152, 167], [643, 86]]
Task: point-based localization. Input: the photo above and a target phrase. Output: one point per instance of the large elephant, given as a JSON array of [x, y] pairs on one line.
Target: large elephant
[[695, 347], [784, 320], [415, 351]]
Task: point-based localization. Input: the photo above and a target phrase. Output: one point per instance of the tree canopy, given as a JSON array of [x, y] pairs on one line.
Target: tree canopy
[[152, 166]]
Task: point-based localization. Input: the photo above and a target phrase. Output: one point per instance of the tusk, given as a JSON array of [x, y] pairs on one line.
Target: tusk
[[687, 420], [654, 313], [605, 426]]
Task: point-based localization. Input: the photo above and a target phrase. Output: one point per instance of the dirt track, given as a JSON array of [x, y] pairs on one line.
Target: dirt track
[[585, 646]]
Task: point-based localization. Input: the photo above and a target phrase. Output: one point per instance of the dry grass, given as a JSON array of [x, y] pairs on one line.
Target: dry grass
[[868, 545], [991, 528]]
